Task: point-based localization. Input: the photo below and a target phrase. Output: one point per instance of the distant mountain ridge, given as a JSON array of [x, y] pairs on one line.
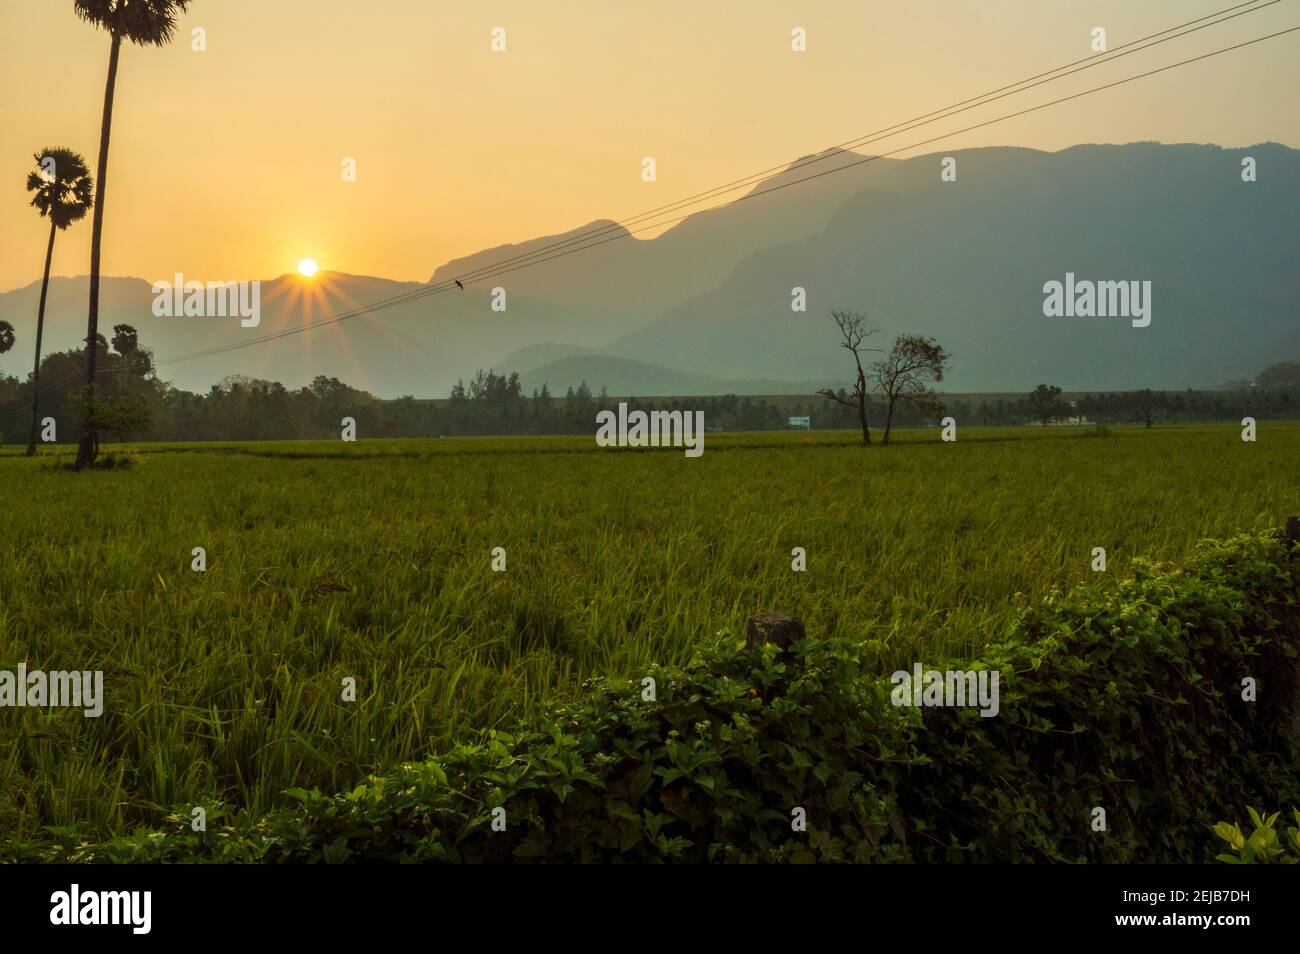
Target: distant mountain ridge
[[966, 263], [707, 304]]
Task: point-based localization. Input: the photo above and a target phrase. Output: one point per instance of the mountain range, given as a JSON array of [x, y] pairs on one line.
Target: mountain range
[[705, 307]]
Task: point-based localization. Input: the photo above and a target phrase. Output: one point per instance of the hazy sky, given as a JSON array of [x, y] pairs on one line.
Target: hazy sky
[[226, 164]]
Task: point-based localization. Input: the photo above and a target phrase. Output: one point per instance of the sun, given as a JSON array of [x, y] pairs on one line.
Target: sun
[[307, 267]]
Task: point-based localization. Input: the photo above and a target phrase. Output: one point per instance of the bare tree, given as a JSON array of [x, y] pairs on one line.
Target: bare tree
[[901, 375], [1144, 404], [853, 332]]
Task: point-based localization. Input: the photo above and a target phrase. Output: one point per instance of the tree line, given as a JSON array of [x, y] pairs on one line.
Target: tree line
[[1045, 406], [133, 404]]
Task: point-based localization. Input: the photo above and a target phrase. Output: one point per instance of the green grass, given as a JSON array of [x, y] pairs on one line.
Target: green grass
[[372, 560]]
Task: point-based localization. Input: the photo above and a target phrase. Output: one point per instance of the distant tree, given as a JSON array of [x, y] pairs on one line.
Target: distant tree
[[1143, 404], [62, 191], [125, 416], [1045, 402], [853, 332], [1280, 375], [132, 360], [901, 375], [143, 22], [125, 340], [542, 410], [580, 408], [6, 336]]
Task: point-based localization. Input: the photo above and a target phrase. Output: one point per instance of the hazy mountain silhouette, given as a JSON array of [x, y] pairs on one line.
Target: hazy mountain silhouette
[[535, 356], [422, 347], [966, 261], [706, 305], [622, 279]]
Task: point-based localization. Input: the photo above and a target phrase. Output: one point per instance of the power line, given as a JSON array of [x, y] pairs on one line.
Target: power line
[[924, 142], [498, 269], [889, 131], [583, 242]]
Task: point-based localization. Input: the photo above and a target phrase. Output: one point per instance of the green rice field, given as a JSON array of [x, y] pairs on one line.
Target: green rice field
[[374, 560]]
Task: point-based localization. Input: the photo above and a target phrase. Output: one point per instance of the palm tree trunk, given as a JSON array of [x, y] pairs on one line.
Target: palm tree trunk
[[88, 449], [40, 329]]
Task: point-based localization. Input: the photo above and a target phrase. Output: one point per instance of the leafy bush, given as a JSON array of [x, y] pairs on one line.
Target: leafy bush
[[1264, 845], [1126, 698], [116, 460]]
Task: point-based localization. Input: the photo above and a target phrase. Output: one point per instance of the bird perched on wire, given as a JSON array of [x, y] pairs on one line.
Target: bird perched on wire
[[458, 284]]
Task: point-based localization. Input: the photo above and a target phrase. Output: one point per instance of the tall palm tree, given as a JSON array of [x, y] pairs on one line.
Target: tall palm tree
[[144, 23], [63, 191]]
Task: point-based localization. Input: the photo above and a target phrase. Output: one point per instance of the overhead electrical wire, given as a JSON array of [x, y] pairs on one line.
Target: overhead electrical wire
[[602, 235]]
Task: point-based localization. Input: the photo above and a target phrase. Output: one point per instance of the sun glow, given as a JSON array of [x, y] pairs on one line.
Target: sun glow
[[307, 267]]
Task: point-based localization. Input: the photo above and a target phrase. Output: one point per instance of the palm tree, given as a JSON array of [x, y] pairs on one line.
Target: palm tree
[[144, 23], [62, 190]]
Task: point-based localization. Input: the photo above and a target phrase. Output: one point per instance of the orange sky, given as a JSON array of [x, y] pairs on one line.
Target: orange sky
[[226, 164]]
